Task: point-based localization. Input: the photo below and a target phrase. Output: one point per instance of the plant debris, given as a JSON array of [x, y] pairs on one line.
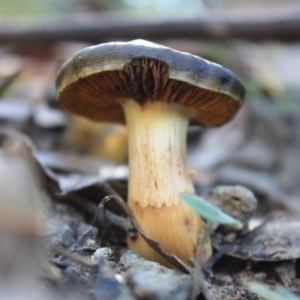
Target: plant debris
[[276, 240]]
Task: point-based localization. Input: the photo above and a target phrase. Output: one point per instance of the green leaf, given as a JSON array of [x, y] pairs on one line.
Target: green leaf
[[263, 291], [209, 211]]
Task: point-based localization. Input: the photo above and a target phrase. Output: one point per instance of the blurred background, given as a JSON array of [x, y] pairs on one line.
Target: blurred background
[[258, 40]]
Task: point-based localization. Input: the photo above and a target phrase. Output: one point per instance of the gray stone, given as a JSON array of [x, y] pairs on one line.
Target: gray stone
[[150, 280]]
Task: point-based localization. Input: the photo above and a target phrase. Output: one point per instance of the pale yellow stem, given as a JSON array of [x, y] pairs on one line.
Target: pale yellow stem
[[158, 173]]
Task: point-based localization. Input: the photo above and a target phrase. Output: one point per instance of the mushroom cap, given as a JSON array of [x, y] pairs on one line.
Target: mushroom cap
[[97, 79]]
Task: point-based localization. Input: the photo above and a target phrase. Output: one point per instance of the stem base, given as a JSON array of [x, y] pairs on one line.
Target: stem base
[[176, 228]]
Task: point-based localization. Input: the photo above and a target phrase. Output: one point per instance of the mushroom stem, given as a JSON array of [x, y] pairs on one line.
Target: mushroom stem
[[158, 173]]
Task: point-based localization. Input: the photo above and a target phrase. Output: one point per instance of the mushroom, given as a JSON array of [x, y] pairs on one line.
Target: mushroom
[[157, 92]]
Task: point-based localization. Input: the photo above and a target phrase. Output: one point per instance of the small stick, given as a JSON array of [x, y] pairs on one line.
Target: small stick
[[198, 282], [171, 258]]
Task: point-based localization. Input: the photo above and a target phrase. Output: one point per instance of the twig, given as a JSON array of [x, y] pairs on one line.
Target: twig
[[121, 223], [171, 258], [283, 24], [198, 282], [93, 210], [100, 210], [113, 218]]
